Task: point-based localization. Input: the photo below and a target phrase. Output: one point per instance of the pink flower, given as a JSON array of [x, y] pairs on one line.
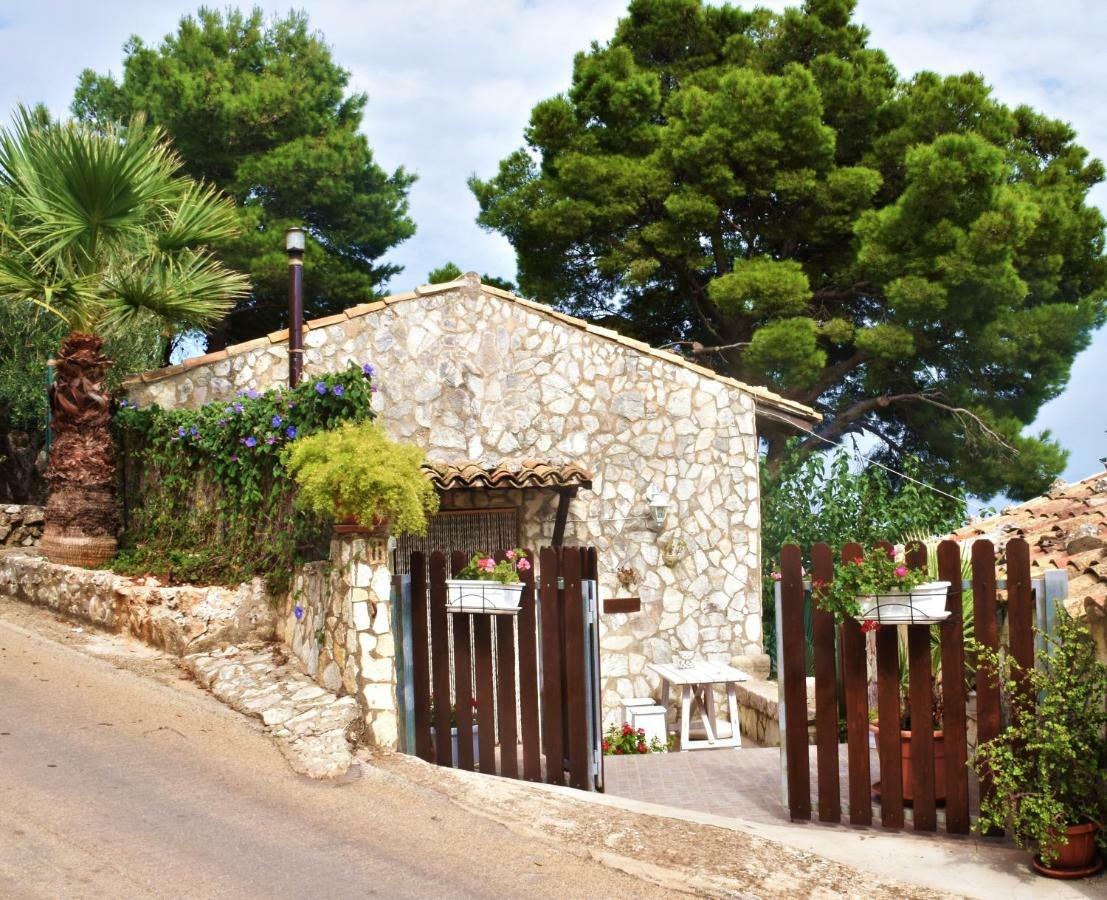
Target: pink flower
[[523, 565], [510, 554], [488, 564], [775, 576], [901, 571], [891, 553]]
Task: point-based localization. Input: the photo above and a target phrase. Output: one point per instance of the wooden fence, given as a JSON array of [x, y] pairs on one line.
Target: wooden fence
[[532, 675], [841, 673]]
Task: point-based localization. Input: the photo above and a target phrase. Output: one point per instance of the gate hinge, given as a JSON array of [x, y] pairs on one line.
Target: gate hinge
[[560, 583]]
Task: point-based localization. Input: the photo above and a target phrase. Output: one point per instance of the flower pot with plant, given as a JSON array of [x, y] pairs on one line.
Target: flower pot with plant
[[487, 586], [1048, 767], [357, 474], [878, 587], [454, 759], [906, 727]]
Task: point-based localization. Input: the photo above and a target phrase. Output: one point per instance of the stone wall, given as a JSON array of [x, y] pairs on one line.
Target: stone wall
[[20, 526], [337, 620], [467, 372], [182, 619]]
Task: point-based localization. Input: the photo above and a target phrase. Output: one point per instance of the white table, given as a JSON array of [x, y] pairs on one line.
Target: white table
[[696, 693]]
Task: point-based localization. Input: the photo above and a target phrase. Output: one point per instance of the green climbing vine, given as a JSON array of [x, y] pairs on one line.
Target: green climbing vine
[[208, 497]]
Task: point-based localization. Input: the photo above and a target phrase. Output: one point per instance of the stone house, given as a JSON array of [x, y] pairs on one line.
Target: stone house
[[536, 423]]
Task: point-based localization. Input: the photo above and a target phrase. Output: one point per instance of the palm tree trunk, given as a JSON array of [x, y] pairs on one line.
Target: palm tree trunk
[[81, 514]]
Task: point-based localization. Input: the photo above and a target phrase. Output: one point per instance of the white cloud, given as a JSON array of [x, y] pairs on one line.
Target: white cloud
[[451, 85]]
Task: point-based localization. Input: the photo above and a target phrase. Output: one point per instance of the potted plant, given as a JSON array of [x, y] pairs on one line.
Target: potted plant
[[626, 740], [1047, 767], [356, 474], [906, 730], [879, 588], [487, 586], [453, 733]]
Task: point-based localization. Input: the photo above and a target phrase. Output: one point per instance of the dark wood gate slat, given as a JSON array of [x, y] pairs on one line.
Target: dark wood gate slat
[[440, 657], [987, 635], [1020, 613], [463, 674], [420, 657], [504, 630], [528, 678], [795, 682], [486, 705], [923, 785], [549, 571], [576, 701], [855, 678], [953, 692], [922, 727], [888, 700], [826, 692]]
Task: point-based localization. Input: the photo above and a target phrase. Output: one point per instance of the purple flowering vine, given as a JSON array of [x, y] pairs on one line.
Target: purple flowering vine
[[338, 390], [276, 421], [290, 431], [250, 441], [320, 388], [299, 611], [367, 370]]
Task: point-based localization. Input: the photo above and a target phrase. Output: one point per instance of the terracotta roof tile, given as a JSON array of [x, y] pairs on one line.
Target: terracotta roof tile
[[1066, 530], [528, 474]]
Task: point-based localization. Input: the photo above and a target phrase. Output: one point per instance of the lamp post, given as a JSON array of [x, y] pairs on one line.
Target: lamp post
[[294, 246]]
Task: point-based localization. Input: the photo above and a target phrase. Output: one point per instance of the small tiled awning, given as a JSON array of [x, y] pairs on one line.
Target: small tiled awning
[[528, 474]]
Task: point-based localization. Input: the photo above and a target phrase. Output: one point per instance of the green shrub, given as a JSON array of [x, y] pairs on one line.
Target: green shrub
[[357, 471], [1048, 765]]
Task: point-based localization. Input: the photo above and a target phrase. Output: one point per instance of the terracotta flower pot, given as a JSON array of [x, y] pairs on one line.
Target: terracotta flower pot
[[350, 525], [1077, 858], [906, 769]]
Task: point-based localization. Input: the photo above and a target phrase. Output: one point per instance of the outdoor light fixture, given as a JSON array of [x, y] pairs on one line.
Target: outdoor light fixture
[[659, 504], [294, 240]]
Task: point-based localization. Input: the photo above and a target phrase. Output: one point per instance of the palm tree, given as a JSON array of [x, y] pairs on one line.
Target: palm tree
[[100, 228]]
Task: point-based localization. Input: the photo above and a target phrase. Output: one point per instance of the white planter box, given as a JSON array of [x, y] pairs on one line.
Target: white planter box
[[453, 745], [925, 603], [465, 596]]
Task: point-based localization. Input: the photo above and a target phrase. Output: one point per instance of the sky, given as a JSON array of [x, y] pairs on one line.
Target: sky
[[451, 85]]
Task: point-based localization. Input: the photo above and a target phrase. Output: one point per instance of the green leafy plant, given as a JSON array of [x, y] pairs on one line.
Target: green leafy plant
[[357, 471], [624, 740], [209, 497], [875, 574], [483, 567], [1048, 765]]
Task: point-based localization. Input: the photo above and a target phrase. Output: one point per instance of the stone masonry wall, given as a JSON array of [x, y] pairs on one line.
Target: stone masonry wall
[[20, 526], [182, 619], [468, 373], [337, 619]]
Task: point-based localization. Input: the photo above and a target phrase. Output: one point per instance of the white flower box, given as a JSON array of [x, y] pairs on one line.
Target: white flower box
[[470, 596], [923, 604]]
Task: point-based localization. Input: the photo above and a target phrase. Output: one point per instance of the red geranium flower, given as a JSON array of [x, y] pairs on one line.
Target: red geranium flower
[[642, 748]]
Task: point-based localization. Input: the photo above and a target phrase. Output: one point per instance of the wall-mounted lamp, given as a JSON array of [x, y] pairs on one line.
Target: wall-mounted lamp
[[659, 504]]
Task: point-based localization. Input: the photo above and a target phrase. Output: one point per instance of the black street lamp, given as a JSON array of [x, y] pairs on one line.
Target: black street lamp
[[294, 246]]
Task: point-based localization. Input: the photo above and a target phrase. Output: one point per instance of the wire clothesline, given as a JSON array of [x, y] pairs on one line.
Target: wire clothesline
[[867, 459]]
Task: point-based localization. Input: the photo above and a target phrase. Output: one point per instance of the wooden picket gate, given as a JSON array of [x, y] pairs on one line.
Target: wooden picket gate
[[841, 657], [533, 677]]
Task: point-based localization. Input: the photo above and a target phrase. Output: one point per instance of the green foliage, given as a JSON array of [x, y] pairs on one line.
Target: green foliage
[[1048, 765], [483, 567], [101, 229], [813, 499], [908, 255], [213, 500], [874, 574], [451, 272], [356, 471], [261, 110]]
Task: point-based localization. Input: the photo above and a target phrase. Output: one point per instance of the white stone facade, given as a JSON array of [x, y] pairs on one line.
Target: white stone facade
[[468, 372]]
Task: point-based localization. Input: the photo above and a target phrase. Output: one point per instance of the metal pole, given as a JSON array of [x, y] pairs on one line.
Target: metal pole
[[50, 363], [294, 246]]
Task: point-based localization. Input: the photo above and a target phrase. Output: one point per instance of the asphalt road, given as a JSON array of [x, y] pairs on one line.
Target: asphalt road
[[117, 785]]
